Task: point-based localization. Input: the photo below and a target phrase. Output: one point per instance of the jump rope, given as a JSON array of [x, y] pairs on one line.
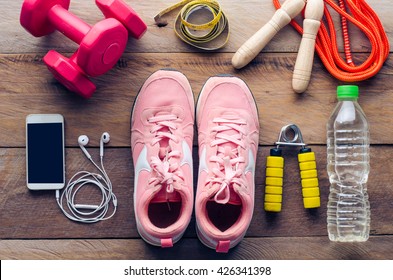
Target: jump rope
[[364, 18]]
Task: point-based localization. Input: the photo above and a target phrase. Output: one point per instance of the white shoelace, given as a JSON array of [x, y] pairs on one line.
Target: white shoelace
[[227, 173], [166, 170]]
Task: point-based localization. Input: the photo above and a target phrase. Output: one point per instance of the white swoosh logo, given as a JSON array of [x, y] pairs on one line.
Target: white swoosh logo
[[202, 162], [187, 156], [251, 163], [141, 164]]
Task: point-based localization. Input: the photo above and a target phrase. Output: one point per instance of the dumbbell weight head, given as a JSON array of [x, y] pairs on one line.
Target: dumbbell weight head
[[119, 10], [102, 47], [34, 15], [69, 74]]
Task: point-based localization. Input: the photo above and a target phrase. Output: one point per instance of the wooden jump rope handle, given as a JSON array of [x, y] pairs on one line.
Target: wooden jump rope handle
[[304, 61], [253, 46]]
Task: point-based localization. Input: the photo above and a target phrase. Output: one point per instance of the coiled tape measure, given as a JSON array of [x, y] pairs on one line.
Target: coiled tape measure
[[210, 35]]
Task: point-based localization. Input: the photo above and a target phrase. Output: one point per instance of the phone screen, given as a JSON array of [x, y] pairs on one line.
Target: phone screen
[[45, 153]]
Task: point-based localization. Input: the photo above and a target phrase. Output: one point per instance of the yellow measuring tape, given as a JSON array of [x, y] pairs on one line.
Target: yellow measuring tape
[[210, 35]]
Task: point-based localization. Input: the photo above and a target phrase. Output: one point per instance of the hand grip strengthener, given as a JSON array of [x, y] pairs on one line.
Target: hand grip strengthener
[[291, 135]]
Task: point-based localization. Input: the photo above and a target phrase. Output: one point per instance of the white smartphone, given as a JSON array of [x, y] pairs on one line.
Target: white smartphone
[[45, 157]]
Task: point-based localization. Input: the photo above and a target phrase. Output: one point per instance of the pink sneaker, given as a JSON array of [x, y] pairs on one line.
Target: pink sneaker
[[162, 128], [228, 134]]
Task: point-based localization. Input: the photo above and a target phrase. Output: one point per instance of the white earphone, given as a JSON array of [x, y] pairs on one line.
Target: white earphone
[[105, 138], [93, 213], [83, 140]]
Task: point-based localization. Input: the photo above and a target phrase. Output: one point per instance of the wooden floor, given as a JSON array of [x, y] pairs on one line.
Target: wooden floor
[[31, 224]]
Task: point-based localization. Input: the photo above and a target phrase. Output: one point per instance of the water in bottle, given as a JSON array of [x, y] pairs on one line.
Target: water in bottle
[[348, 214]]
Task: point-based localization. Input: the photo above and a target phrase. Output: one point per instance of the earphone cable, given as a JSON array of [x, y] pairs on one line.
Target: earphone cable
[[80, 180]]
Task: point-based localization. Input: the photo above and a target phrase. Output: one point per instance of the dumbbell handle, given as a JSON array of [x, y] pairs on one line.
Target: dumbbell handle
[[305, 57], [68, 24], [252, 47]]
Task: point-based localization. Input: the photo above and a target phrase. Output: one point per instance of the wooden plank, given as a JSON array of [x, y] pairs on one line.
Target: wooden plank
[[245, 18], [287, 248], [28, 214], [28, 87]]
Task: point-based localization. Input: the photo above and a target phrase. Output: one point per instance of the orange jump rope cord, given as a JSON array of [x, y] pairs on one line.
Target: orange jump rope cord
[[363, 17]]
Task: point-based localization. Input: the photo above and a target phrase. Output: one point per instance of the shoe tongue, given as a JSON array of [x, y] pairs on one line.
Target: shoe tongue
[[162, 152], [229, 146], [234, 198], [229, 132], [227, 150], [163, 196], [164, 144]]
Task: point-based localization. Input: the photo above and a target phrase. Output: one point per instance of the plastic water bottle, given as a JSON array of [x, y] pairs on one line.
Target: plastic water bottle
[[348, 214]]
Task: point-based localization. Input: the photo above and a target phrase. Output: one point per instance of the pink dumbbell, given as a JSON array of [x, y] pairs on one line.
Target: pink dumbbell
[[100, 48], [69, 74], [101, 45], [119, 10]]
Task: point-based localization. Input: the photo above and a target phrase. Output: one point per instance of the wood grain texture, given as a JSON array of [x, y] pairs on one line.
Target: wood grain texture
[[245, 18], [286, 248], [31, 224], [28, 87], [28, 214]]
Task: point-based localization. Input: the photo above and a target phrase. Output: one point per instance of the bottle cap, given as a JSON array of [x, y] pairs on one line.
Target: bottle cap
[[347, 91]]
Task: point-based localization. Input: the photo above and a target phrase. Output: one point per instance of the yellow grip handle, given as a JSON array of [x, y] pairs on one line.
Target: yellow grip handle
[[274, 183], [309, 176]]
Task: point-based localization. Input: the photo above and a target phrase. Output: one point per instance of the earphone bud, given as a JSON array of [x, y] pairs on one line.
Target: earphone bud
[[83, 140], [105, 137]]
